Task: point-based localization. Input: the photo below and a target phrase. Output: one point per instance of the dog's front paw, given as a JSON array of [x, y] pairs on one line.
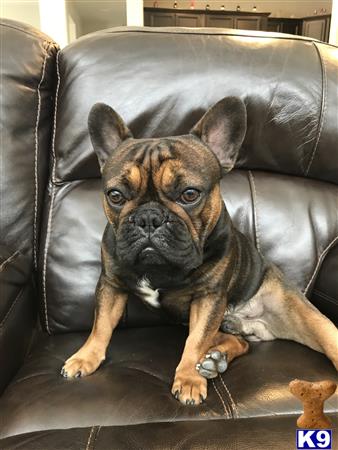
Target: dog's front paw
[[81, 365], [189, 388], [212, 364]]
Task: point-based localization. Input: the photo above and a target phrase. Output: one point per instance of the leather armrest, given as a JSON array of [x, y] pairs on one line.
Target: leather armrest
[[16, 311]]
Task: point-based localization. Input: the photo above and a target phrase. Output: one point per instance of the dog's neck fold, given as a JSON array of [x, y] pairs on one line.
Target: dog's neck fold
[[217, 244]]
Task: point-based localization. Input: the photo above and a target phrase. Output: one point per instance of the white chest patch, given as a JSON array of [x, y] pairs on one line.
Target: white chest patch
[[148, 294]]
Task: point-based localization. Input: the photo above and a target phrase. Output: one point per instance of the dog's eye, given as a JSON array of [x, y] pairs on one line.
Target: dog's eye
[[115, 197], [190, 195]]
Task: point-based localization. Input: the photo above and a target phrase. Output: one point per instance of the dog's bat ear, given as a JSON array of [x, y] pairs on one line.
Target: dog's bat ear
[[222, 129], [107, 130]]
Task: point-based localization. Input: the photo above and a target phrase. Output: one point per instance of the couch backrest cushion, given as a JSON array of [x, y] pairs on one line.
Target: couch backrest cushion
[[27, 81], [161, 81]]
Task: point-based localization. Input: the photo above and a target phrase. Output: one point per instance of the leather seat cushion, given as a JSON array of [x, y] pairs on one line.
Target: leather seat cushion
[[276, 433], [133, 385]]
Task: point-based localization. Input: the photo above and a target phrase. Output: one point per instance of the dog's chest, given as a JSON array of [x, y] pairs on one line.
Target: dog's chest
[[147, 293], [175, 303]]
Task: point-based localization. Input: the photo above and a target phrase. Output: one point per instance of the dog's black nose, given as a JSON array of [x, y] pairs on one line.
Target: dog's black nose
[[149, 220]]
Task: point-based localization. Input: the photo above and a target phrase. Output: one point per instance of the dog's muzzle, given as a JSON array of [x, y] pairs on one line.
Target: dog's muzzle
[[154, 235]]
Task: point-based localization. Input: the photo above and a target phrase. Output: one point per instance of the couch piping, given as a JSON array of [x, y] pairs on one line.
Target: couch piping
[[36, 153], [187, 31], [319, 263], [50, 213], [322, 109]]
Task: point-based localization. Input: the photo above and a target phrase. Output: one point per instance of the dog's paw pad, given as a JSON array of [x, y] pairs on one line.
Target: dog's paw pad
[[213, 363]]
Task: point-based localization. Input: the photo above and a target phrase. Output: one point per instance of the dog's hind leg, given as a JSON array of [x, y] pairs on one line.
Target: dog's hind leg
[[290, 315]]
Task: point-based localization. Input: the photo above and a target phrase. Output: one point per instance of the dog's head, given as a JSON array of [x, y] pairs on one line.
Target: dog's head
[[162, 196]]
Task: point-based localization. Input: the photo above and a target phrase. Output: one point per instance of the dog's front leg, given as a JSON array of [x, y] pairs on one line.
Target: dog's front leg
[[110, 304], [205, 318]]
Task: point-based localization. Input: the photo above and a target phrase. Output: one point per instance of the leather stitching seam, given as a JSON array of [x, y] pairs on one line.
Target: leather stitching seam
[[323, 106], [50, 214], [36, 153], [232, 403], [221, 399], [94, 431], [90, 438], [96, 436]]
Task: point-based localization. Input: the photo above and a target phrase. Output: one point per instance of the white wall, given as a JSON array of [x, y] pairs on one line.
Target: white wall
[[53, 20], [135, 13], [278, 8], [47, 16], [115, 16], [66, 20], [74, 21], [23, 11], [334, 24]]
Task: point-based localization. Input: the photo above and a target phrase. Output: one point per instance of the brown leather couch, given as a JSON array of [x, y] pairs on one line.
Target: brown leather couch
[[283, 194]]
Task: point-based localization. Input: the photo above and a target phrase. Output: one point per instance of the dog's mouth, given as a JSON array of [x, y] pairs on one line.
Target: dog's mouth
[[149, 255]]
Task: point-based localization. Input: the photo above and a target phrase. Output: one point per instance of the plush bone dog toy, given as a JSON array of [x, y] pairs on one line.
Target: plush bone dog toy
[[313, 396]]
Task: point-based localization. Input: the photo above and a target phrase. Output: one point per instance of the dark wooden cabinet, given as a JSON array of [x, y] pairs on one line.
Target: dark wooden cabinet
[[237, 22], [189, 20], [219, 21], [166, 17], [160, 19], [285, 25], [248, 23], [317, 27]]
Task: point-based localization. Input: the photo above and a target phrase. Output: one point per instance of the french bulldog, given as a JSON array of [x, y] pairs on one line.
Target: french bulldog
[[170, 240]]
